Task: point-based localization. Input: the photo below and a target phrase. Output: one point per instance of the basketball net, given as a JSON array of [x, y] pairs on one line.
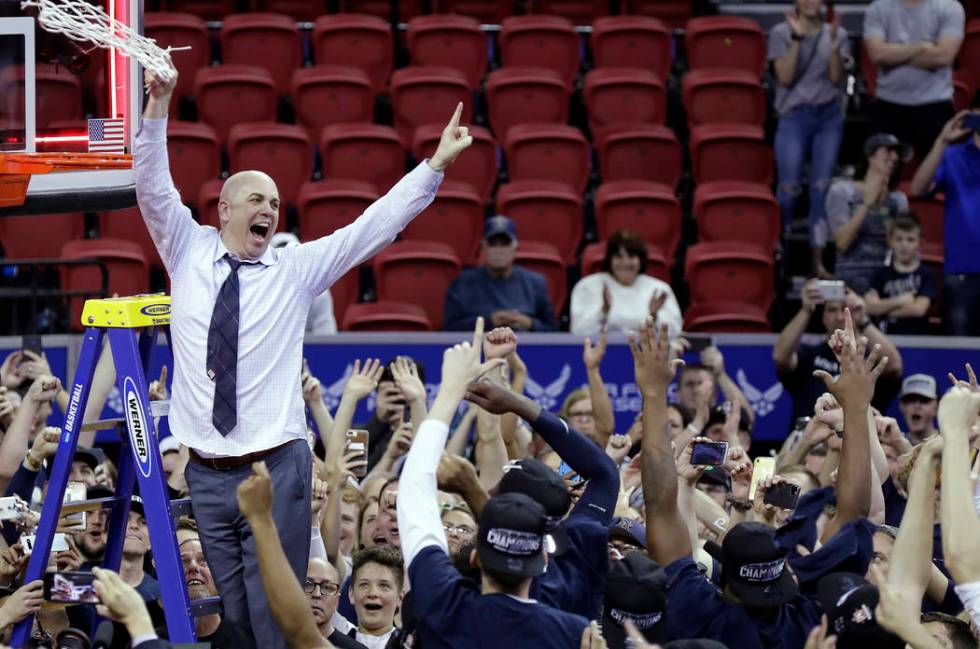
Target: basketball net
[[81, 21]]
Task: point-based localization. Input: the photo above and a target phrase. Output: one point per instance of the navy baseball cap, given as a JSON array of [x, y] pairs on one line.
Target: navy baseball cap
[[754, 566], [497, 225], [629, 530], [636, 590], [535, 479], [850, 602], [511, 538]]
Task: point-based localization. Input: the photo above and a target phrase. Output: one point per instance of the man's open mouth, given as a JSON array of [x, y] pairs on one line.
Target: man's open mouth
[[373, 607], [260, 230]]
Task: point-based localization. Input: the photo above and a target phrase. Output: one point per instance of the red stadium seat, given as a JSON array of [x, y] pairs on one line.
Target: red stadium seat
[[544, 258], [735, 211], [963, 88], [345, 292], [486, 11], [726, 317], [207, 203], [730, 152], [542, 42], [206, 9], [649, 209], [427, 95], [624, 96], [969, 55], [420, 270], [363, 152], [449, 41], [402, 10], [657, 265], [128, 273], [195, 157], [57, 93], [180, 30], [357, 40], [726, 271], [725, 42], [478, 167], [234, 94], [39, 236], [649, 153], [544, 211], [932, 215], [281, 150], [723, 97], [331, 94], [675, 13], [632, 41], [580, 12], [129, 225], [299, 10], [548, 152], [455, 218], [525, 95], [269, 41], [328, 205], [386, 316]]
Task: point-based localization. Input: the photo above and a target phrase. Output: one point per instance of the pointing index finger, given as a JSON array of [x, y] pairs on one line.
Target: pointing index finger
[[478, 330], [454, 122]]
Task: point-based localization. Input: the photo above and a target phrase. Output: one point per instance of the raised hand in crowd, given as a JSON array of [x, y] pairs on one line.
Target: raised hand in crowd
[[121, 603], [971, 382], [602, 410], [44, 447], [457, 475], [35, 406], [407, 379], [25, 601], [853, 388], [7, 408], [12, 562], [158, 388], [819, 638], [290, 608]]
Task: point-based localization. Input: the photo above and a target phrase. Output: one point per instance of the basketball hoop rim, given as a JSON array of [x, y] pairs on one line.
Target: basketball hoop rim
[[17, 168]]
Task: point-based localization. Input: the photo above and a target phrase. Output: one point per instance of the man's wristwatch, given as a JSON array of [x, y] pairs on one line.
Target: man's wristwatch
[[30, 464], [740, 505]]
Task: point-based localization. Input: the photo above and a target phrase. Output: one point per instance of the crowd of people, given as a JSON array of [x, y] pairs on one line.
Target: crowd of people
[[484, 520]]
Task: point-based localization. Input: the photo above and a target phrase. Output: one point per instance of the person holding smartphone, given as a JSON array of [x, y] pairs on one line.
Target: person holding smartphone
[[953, 167], [807, 55]]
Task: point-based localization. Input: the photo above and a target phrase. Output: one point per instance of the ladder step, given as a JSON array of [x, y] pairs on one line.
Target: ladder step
[[157, 409], [205, 606], [179, 506]]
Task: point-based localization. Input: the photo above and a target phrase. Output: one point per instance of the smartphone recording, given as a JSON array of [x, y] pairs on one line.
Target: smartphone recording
[[709, 453], [782, 494], [70, 588]]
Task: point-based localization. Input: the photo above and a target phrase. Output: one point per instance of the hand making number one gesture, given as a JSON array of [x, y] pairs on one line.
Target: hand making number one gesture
[[856, 384], [454, 139]]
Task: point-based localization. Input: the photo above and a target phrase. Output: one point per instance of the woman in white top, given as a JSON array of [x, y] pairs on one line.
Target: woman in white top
[[622, 296]]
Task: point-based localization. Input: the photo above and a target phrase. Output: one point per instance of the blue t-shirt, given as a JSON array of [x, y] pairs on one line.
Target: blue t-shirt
[[452, 613], [476, 293], [696, 609], [958, 176]]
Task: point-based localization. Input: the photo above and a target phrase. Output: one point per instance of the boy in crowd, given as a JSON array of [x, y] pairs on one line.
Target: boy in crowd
[[900, 294]]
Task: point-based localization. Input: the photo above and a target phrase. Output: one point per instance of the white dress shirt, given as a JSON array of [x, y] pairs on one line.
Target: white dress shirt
[[630, 305], [275, 297]]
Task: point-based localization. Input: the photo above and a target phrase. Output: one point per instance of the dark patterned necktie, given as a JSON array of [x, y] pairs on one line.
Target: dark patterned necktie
[[222, 361]]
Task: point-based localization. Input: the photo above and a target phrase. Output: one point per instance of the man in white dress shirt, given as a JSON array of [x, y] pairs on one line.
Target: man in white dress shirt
[[239, 310]]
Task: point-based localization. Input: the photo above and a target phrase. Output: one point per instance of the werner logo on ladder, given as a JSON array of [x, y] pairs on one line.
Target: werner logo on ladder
[[132, 325]]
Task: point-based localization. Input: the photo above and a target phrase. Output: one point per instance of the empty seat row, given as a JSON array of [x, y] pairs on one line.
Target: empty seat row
[[274, 42]]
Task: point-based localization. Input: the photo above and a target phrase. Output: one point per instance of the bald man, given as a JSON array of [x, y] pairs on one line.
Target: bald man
[[238, 314]]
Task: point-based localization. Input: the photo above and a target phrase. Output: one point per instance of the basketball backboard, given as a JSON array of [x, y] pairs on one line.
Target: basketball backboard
[[61, 95]]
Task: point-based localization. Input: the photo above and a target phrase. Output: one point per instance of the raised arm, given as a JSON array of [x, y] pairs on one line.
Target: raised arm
[[667, 537], [323, 261], [13, 449], [958, 518], [406, 376], [169, 221], [602, 409], [419, 523], [923, 181], [713, 359], [784, 350], [578, 451], [853, 389], [289, 607]]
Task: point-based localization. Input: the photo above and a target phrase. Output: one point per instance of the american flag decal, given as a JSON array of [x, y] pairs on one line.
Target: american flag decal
[[107, 135]]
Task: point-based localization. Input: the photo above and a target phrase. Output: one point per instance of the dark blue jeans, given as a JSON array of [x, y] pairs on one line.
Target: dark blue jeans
[[814, 133], [229, 546], [961, 301]]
